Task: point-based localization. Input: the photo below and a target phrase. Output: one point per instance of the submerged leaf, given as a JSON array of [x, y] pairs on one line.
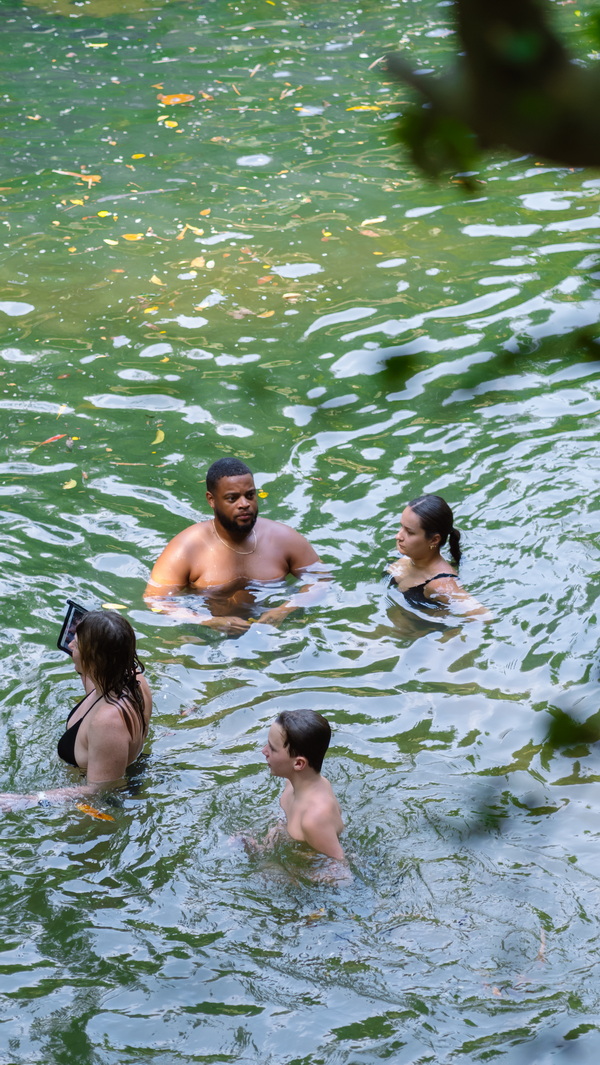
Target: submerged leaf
[[175, 98], [93, 812], [51, 439], [89, 178]]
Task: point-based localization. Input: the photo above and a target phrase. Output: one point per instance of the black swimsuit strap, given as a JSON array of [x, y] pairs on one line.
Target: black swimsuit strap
[[76, 707], [437, 577]]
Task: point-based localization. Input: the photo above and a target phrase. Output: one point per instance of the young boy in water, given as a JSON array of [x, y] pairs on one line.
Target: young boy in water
[[294, 750]]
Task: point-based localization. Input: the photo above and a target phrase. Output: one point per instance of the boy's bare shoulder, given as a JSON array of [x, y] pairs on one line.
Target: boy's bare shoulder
[[322, 805]]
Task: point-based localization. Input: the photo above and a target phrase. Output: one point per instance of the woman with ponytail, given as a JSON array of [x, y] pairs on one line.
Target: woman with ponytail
[[422, 574]]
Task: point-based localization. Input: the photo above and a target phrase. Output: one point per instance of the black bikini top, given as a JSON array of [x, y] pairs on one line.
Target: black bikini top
[[416, 595], [66, 743]]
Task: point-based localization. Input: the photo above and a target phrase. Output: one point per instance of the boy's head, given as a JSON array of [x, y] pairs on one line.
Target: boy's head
[[304, 735]]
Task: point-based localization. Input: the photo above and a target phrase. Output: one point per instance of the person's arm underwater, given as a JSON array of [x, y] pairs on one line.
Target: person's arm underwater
[[171, 577], [303, 562]]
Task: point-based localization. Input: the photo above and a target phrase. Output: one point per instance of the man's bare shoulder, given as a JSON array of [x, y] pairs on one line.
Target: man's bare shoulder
[[277, 528], [193, 535], [186, 544], [292, 544]]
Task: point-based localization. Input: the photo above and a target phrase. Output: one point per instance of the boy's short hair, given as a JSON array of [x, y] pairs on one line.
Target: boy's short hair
[[226, 467], [305, 733]]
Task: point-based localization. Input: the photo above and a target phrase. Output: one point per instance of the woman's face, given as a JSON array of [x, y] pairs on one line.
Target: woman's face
[[410, 538], [76, 655]]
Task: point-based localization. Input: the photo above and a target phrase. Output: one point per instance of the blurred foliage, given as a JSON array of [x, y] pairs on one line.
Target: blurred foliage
[[514, 85]]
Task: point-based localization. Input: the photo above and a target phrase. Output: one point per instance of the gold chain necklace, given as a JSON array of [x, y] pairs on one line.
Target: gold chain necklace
[[250, 552]]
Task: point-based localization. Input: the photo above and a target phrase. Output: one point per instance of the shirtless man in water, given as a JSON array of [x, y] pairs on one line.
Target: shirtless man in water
[[294, 750], [220, 556]]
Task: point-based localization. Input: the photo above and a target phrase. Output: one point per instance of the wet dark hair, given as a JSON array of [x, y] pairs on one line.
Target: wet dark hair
[[228, 467], [436, 517], [305, 733], [108, 653]]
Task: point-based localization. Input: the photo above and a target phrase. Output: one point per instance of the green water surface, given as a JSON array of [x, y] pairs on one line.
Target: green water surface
[[296, 294]]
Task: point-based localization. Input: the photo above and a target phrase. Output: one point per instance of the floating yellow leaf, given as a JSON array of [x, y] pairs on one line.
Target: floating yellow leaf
[[139, 155], [158, 439], [266, 314], [93, 812], [262, 494], [373, 221], [78, 203], [206, 211], [364, 107], [171, 124], [70, 484], [103, 214], [108, 241], [166, 359], [96, 44], [133, 236], [150, 310], [34, 118], [114, 606], [176, 98], [156, 280], [199, 262], [291, 295]]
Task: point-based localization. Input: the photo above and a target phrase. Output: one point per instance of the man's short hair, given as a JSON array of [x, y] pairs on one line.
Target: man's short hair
[[228, 467], [305, 733]]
